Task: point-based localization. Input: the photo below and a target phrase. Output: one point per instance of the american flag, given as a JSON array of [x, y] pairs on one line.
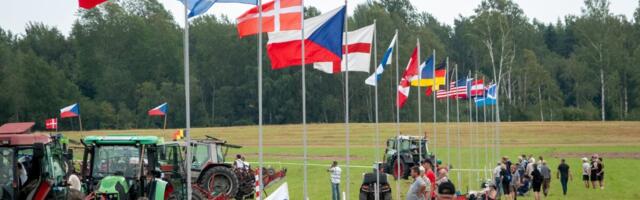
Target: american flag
[[457, 89]]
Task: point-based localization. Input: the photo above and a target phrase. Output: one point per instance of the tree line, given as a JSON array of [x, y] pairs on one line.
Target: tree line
[[124, 58]]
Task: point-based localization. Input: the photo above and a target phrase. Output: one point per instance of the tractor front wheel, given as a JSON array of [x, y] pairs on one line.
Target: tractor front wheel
[[219, 180]]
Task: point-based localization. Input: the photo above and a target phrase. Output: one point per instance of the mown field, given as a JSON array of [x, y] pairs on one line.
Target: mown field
[[617, 142]]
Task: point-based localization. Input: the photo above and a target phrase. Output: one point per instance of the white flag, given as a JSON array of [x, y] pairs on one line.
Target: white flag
[[359, 46]]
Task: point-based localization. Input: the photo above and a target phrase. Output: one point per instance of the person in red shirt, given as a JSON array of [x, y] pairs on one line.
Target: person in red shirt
[[429, 175]]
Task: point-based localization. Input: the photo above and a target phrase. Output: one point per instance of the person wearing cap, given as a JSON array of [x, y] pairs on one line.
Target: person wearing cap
[[446, 191], [429, 178], [586, 170]]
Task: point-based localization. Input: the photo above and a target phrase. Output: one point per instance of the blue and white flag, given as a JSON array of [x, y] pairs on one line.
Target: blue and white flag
[[489, 99], [386, 60], [198, 7]]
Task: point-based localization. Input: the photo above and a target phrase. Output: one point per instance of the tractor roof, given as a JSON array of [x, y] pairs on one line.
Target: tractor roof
[[121, 140], [23, 139], [409, 137], [16, 128]]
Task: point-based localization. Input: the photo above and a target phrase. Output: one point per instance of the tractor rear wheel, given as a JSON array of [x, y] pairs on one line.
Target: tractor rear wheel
[[219, 180], [398, 170]]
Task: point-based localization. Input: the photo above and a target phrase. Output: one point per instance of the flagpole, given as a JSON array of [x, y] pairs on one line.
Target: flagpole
[[377, 150], [187, 89], [397, 120], [304, 106], [80, 123], [419, 99], [448, 82], [475, 128], [260, 120], [459, 163], [434, 86], [346, 104], [164, 125], [471, 148], [187, 96], [487, 163]]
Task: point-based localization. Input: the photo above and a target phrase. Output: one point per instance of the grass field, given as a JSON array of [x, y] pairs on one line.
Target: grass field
[[617, 142]]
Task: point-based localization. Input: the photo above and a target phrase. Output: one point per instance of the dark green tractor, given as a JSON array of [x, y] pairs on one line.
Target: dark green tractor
[[402, 153], [134, 167]]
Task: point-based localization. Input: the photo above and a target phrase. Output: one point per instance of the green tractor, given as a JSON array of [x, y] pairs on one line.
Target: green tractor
[[135, 167], [411, 150], [34, 166]]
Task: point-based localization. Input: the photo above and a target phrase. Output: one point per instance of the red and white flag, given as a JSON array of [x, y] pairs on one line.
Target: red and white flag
[[477, 88], [51, 124], [359, 47], [410, 72], [278, 15]]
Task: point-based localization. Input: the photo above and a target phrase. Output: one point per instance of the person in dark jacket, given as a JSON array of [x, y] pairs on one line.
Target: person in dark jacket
[[537, 180]]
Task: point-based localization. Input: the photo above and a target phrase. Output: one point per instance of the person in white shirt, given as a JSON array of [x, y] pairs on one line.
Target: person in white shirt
[[246, 164], [335, 171], [586, 170], [239, 164]]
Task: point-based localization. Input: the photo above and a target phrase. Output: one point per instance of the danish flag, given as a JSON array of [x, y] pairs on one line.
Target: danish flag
[[278, 15], [51, 124]]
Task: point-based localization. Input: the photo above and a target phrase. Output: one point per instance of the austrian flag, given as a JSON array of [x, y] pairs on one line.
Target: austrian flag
[[278, 15]]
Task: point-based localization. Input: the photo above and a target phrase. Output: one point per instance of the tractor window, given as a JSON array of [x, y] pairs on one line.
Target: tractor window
[[117, 160], [200, 156], [8, 166], [405, 145], [53, 166], [391, 144]]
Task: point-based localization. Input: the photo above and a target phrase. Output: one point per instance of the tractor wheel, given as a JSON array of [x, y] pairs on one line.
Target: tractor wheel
[[398, 171], [219, 180]]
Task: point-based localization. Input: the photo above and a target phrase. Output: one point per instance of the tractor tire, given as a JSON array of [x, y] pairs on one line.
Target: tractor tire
[[398, 172], [219, 180]]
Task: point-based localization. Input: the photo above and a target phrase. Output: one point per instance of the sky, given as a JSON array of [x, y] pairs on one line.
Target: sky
[[62, 13]]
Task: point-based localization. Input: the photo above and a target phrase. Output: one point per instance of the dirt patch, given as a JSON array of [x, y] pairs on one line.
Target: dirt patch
[[300, 157], [605, 155]]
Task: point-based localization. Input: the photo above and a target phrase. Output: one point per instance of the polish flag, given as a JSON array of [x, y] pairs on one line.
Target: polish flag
[[359, 56], [278, 15]]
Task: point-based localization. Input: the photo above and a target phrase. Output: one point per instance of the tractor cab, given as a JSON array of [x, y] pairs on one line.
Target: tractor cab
[[411, 150], [122, 167], [33, 165]]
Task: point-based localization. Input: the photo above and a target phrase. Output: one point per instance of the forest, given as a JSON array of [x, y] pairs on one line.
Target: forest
[[124, 58]]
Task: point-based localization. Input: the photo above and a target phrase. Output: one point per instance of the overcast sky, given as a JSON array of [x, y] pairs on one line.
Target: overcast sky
[[15, 14]]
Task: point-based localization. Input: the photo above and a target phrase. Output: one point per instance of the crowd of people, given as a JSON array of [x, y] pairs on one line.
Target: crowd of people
[[528, 174]]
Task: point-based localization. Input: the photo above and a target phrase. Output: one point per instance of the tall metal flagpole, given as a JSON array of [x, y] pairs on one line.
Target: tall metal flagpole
[[346, 104], [187, 130], [471, 148], [487, 163], [448, 83], [475, 129], [419, 99], [397, 119], [375, 66], [305, 191], [459, 161], [260, 130], [434, 86]]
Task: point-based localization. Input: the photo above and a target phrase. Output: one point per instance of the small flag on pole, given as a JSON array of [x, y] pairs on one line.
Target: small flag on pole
[[278, 15], [359, 53], [410, 73], [160, 110], [489, 99], [70, 111], [198, 7], [377, 75], [51, 124], [179, 134]]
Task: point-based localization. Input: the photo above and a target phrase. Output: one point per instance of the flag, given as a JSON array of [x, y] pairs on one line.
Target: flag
[[477, 88], [198, 7], [278, 15], [89, 4], [160, 110], [489, 99], [70, 111], [322, 40], [282, 193], [51, 124], [460, 88], [179, 134], [359, 53], [440, 75], [373, 79], [408, 74]]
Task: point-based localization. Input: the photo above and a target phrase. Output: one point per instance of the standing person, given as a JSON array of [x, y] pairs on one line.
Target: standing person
[[586, 170], [537, 181], [595, 168], [335, 171], [418, 187], [515, 180], [505, 178], [601, 173], [564, 175], [546, 173], [239, 164], [530, 167], [430, 177], [496, 177]]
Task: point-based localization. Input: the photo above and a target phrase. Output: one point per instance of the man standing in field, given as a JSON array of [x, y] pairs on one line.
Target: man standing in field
[[546, 173], [335, 171], [586, 170], [564, 175], [429, 177], [418, 187]]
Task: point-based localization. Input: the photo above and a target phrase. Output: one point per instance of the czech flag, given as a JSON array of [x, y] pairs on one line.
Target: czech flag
[[161, 110], [322, 41], [70, 111]]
